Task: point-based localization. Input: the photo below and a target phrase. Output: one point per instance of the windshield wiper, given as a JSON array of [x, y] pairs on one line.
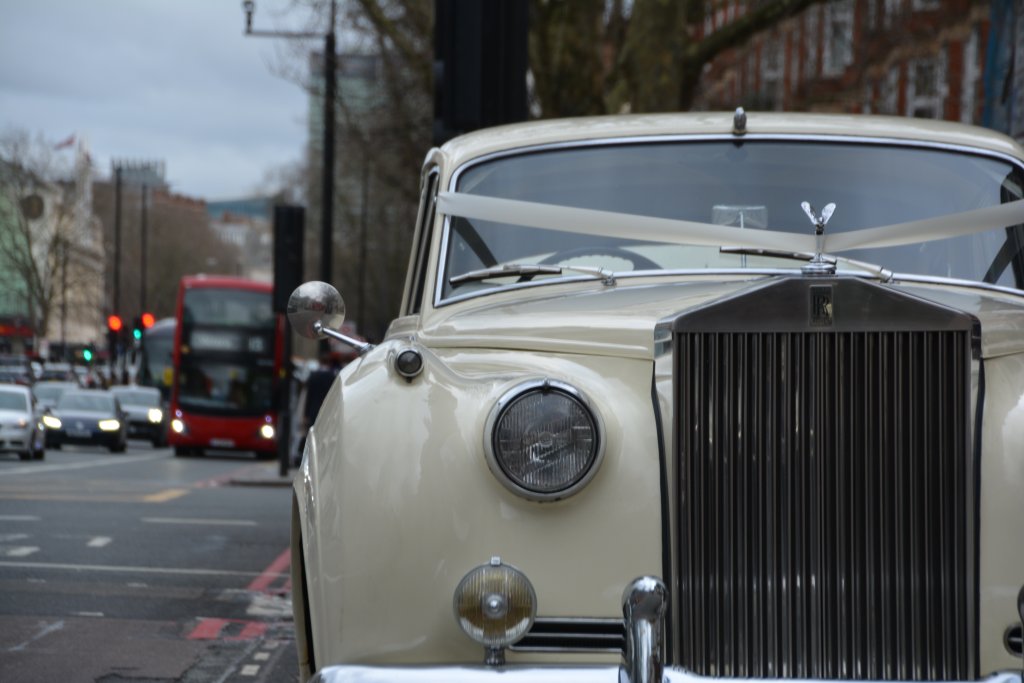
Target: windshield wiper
[[882, 273], [527, 271]]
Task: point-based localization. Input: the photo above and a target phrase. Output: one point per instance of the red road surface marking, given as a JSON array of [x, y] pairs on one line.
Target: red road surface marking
[[251, 631], [271, 573], [207, 629]]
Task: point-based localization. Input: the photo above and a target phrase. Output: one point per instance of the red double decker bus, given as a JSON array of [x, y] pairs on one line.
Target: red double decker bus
[[227, 360]]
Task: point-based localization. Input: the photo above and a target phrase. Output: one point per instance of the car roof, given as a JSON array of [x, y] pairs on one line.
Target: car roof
[[11, 387], [549, 131]]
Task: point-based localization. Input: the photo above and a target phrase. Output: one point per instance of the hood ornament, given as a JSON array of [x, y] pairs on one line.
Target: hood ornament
[[819, 266]]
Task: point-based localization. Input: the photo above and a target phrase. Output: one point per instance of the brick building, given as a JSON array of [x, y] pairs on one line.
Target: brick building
[[922, 58]]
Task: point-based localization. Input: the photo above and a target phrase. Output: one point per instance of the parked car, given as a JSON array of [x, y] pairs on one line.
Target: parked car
[[48, 392], [715, 395], [147, 417], [21, 431], [91, 417]]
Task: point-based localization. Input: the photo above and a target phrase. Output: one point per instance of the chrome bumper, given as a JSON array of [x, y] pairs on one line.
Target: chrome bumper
[[643, 609], [515, 674]]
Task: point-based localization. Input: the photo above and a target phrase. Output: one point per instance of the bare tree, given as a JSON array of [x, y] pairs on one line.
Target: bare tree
[[43, 233], [586, 58]]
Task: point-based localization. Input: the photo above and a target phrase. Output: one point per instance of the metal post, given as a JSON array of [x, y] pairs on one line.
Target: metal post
[[327, 214], [117, 240], [145, 252]]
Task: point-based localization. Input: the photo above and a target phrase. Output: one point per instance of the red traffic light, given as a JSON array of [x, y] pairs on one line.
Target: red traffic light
[[114, 323], [147, 320]]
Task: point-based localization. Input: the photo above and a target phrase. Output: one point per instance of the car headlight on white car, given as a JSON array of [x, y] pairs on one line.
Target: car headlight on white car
[[543, 440], [155, 415]]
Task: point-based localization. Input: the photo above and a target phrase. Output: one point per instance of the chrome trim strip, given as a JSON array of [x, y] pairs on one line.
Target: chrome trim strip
[[579, 673], [709, 137]]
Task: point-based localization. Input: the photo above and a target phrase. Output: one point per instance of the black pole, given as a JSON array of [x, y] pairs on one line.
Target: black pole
[[327, 174], [142, 265], [117, 240]]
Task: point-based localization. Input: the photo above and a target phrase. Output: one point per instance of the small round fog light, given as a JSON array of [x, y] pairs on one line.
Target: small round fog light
[[267, 431], [495, 604]]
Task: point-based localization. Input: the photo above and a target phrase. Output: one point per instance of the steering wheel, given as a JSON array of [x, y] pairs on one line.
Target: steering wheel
[[638, 262]]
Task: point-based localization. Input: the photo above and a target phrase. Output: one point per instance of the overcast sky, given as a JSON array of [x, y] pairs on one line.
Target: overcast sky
[[170, 80]]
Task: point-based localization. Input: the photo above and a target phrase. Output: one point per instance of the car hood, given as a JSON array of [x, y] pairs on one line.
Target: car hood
[[12, 415], [621, 320], [85, 415]]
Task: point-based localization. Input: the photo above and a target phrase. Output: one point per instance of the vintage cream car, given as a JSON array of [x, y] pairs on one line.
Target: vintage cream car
[[676, 397]]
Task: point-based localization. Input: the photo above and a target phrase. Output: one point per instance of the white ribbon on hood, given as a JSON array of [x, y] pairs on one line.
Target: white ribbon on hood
[[672, 231]]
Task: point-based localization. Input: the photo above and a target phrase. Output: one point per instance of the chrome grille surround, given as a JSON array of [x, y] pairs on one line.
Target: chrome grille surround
[[826, 518]]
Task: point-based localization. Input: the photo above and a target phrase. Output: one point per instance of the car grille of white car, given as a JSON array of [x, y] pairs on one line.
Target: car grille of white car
[[826, 478]]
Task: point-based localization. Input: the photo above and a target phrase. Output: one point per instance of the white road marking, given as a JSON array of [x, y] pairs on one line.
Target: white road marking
[[261, 656], [7, 538], [18, 518], [63, 467], [99, 541], [199, 521], [87, 614], [250, 670], [21, 551], [45, 631], [130, 570]]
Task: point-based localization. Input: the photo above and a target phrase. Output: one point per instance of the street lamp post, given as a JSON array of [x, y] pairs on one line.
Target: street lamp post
[[327, 172]]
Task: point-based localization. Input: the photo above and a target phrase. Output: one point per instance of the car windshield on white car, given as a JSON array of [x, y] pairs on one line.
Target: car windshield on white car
[[768, 186], [14, 400]]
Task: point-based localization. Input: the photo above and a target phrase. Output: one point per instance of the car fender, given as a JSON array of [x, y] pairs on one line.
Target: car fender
[[397, 503]]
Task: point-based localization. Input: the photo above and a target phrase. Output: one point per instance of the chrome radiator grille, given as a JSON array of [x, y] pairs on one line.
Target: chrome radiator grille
[[826, 506]]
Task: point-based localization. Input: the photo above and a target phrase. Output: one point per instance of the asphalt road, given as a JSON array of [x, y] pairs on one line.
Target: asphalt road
[[144, 567]]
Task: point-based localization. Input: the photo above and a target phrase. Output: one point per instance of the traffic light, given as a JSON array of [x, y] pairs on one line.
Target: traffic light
[[87, 354], [114, 323], [147, 320], [137, 330]]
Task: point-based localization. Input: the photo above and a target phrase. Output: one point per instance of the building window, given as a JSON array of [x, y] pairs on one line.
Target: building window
[[969, 88], [891, 11], [837, 52], [772, 64], [812, 37], [926, 85], [889, 100]]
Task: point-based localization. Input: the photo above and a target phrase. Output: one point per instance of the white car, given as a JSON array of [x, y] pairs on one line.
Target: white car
[[679, 397], [21, 430]]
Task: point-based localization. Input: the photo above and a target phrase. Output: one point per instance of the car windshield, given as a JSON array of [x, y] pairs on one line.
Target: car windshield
[[149, 399], [750, 184], [11, 400], [48, 392], [91, 402]]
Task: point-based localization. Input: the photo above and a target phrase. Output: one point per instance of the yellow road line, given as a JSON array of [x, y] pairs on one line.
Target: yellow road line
[[164, 496]]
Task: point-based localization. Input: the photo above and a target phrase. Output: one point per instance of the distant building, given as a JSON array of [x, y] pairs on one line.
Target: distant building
[[246, 224], [68, 255]]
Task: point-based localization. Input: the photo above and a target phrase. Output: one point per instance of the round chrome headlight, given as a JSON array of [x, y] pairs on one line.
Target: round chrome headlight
[[543, 440], [495, 604]]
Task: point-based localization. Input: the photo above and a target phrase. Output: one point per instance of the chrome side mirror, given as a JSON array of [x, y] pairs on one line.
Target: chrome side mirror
[[316, 309]]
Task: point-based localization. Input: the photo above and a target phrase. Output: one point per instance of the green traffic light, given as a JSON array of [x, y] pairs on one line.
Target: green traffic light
[[87, 355], [137, 333]]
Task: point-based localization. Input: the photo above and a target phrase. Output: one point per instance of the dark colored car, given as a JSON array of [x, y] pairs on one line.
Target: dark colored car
[[147, 418], [91, 417]]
